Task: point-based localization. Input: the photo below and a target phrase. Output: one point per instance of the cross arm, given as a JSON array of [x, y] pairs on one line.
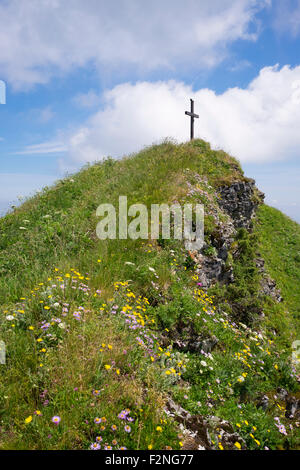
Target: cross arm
[[191, 114]]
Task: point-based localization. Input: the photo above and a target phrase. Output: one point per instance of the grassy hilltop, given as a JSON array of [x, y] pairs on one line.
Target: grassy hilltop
[[90, 326]]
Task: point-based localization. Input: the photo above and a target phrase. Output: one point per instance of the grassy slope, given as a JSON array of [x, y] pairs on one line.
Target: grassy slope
[[97, 364], [280, 247], [60, 223]]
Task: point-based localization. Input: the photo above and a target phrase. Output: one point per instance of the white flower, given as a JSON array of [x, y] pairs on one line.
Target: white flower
[[10, 317], [62, 325], [152, 269], [56, 305], [203, 363], [129, 263], [22, 228]]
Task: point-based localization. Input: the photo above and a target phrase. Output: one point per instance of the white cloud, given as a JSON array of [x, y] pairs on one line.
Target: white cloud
[[87, 100], [43, 148], [40, 40], [259, 123]]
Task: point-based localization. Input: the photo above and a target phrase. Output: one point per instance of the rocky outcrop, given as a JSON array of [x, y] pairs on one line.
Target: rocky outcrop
[[240, 201], [198, 430], [185, 338], [268, 285]]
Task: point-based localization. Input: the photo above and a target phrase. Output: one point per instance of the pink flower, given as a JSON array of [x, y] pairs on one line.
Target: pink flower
[[56, 419]]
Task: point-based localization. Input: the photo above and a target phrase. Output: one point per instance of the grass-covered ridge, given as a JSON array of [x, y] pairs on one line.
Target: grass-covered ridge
[[280, 247], [89, 325]]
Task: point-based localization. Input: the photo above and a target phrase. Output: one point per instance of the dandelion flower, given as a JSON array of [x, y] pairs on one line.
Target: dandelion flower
[[28, 420]]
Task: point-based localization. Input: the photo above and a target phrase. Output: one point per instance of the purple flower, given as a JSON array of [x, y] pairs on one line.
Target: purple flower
[[95, 446], [56, 419], [127, 428]]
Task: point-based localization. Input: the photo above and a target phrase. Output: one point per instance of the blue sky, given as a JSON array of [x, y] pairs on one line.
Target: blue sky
[[89, 79]]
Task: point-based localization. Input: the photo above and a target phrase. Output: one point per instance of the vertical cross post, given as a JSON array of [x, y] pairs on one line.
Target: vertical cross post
[[192, 116]]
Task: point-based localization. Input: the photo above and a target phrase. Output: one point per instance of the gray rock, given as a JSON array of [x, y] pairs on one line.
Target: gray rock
[[292, 407], [239, 201], [263, 403]]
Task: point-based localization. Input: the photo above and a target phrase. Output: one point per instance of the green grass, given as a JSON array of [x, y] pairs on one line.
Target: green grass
[[53, 266], [60, 223], [279, 238]]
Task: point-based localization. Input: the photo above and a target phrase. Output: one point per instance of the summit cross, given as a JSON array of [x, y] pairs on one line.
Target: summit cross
[[192, 116]]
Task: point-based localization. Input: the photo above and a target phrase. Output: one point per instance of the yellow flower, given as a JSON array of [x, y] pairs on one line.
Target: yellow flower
[[107, 366], [31, 328], [238, 445], [38, 412], [276, 366], [28, 420], [159, 428], [150, 446], [220, 446], [180, 443], [109, 346]]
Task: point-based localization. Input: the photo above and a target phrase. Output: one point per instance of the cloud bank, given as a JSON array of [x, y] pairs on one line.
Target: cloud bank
[[41, 40], [257, 124]]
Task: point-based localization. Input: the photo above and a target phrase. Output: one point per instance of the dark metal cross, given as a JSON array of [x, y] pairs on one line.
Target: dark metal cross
[[193, 116]]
